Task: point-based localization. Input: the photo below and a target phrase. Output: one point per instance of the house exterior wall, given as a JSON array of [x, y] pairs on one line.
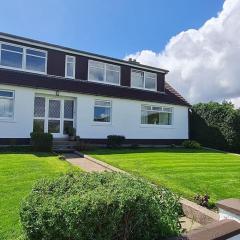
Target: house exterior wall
[[126, 117]]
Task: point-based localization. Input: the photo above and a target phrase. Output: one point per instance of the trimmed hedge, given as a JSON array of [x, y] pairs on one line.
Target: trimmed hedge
[[100, 206], [42, 142], [115, 141], [191, 144], [216, 125]]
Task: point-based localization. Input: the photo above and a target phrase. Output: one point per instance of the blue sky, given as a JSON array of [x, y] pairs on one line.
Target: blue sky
[[110, 27]]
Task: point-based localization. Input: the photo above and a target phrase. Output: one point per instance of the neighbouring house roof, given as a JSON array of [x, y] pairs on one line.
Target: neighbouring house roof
[[25, 79]]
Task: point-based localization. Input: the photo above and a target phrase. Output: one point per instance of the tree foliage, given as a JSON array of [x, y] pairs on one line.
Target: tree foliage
[[216, 125]]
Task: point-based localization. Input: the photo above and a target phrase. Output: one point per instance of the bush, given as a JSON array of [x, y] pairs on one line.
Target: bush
[[216, 125], [83, 146], [191, 144], [202, 200], [42, 141], [115, 141], [100, 206]]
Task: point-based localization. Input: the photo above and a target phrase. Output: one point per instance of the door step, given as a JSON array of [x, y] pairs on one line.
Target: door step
[[64, 146]]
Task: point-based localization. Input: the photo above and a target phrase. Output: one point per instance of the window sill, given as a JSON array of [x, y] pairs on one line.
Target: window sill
[[7, 120], [104, 82], [102, 124], [22, 70], [156, 126]]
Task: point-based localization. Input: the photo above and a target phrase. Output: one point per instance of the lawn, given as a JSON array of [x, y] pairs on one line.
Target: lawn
[[18, 172], [186, 172]]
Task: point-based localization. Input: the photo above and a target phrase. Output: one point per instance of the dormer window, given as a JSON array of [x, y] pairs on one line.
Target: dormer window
[[143, 80], [103, 72], [23, 58], [70, 67]]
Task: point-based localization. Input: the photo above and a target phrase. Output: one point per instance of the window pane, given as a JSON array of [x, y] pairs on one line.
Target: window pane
[[53, 126], [11, 59], [96, 74], [149, 117], [6, 94], [6, 108], [36, 53], [112, 77], [137, 78], [111, 67], [165, 109], [70, 70], [68, 109], [12, 48], [165, 118], [150, 83], [102, 103], [101, 114], [70, 59], [54, 109], [96, 64], [66, 125], [35, 63], [38, 125], [39, 107]]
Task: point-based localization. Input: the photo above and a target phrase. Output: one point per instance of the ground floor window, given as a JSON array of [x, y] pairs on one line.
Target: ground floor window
[[156, 115], [102, 111], [6, 104]]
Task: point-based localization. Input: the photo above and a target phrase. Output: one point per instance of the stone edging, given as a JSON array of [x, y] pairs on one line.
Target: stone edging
[[190, 209]]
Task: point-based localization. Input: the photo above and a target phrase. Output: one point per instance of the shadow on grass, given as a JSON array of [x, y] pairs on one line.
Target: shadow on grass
[[24, 150], [109, 151]]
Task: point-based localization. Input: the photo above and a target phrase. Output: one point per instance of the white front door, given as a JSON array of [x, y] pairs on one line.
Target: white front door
[[53, 115]]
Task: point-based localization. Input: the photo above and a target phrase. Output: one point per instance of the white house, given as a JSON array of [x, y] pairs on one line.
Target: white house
[[53, 87]]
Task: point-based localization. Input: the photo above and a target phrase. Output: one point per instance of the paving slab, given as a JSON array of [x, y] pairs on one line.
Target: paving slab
[[85, 164]]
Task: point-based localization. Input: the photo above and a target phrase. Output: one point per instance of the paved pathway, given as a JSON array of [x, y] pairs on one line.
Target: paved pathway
[[85, 164]]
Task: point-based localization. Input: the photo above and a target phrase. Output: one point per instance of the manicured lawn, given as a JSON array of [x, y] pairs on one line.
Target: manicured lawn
[[18, 172], [186, 172]]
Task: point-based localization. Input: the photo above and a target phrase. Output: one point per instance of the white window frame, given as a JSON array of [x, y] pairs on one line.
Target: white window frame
[[74, 66], [13, 99], [105, 73], [144, 80], [110, 106], [23, 68], [159, 111]]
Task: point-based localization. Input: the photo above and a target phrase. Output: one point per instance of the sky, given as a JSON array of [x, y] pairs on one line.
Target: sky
[[196, 40]]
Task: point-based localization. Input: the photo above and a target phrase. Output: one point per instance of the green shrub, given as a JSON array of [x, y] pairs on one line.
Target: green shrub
[[42, 141], [100, 206], [114, 141], [191, 144], [216, 125]]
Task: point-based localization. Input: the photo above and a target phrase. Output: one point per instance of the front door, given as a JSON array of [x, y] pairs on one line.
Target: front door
[[53, 115]]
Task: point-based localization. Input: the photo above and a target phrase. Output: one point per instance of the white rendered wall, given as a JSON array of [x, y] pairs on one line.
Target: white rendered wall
[[126, 117], [22, 123], [126, 120]]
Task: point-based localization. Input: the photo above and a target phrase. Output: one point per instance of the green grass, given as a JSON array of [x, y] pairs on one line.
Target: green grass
[[18, 172], [186, 172]]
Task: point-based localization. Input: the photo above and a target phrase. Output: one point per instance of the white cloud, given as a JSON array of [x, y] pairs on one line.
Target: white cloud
[[204, 63]]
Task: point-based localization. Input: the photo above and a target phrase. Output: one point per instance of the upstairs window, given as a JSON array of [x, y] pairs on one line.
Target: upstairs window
[[155, 115], [19, 57], [11, 56], [6, 104], [70, 67], [35, 60], [143, 80], [103, 72], [102, 111]]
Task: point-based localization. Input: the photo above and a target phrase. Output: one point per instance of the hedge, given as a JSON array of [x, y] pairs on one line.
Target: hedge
[[216, 125], [42, 142], [100, 206]]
